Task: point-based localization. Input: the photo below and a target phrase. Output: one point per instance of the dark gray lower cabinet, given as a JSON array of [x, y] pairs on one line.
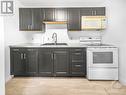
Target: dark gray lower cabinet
[[31, 62], [24, 62], [61, 62], [78, 62], [48, 62], [45, 62], [17, 66]]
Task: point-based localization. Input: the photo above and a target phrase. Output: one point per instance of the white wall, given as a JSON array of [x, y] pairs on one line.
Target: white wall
[[115, 33], [13, 35], [2, 62]]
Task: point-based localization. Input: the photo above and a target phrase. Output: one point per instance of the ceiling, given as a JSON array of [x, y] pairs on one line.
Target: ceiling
[[59, 2]]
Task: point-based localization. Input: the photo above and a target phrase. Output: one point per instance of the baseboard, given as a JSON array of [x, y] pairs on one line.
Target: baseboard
[[122, 81], [9, 78]]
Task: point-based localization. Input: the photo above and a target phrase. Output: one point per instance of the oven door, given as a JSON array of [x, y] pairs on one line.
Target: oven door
[[102, 57]]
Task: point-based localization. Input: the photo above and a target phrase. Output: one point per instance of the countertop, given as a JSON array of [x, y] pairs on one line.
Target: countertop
[[69, 45]]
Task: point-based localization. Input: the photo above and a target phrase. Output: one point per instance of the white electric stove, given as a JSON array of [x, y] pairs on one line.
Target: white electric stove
[[102, 59]]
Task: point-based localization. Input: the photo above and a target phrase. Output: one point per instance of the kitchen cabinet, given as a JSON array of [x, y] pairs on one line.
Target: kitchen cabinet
[[31, 62], [92, 11], [55, 14], [60, 14], [74, 19], [48, 61], [45, 65], [49, 14], [78, 62], [17, 66], [61, 62], [30, 19], [24, 62]]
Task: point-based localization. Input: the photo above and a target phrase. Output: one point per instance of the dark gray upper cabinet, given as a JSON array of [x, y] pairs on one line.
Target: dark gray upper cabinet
[[31, 61], [55, 14], [99, 11], [60, 14], [61, 62], [86, 12], [45, 62], [74, 19], [30, 19], [92, 11], [25, 18], [37, 19], [49, 14]]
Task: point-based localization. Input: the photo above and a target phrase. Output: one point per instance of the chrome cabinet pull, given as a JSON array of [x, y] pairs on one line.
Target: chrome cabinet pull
[[24, 56], [78, 65], [95, 12], [15, 49], [30, 49], [21, 56], [28, 27], [52, 56], [77, 53], [78, 50], [92, 12]]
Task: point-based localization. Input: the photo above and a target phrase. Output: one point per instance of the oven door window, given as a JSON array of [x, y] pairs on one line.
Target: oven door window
[[102, 57]]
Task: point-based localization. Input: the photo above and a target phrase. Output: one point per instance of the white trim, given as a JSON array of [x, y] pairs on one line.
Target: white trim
[[122, 81], [9, 78]]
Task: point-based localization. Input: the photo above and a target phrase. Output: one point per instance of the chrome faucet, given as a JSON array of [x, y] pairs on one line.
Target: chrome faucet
[[54, 37]]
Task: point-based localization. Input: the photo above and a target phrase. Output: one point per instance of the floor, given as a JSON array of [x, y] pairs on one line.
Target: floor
[[63, 86]]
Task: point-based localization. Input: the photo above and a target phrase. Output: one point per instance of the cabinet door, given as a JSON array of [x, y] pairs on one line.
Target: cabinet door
[[61, 63], [74, 19], [17, 66], [61, 14], [49, 14], [45, 62], [93, 11], [99, 11], [25, 19], [37, 19], [86, 11], [31, 61]]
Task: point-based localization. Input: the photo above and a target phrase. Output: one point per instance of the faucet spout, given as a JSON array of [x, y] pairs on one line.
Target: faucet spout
[[54, 37]]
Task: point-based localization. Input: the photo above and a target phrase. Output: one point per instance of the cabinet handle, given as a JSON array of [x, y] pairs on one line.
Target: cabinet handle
[[92, 12], [28, 27], [77, 53], [95, 12], [52, 56], [24, 56], [21, 55], [30, 49], [78, 65], [78, 50], [15, 49]]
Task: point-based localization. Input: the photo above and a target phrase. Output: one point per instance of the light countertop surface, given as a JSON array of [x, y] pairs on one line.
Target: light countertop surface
[[69, 45]]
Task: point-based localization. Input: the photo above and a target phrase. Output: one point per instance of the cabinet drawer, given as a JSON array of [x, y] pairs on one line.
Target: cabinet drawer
[[77, 68], [76, 50], [77, 56]]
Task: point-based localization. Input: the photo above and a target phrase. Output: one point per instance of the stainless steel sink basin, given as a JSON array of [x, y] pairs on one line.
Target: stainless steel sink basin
[[54, 44]]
